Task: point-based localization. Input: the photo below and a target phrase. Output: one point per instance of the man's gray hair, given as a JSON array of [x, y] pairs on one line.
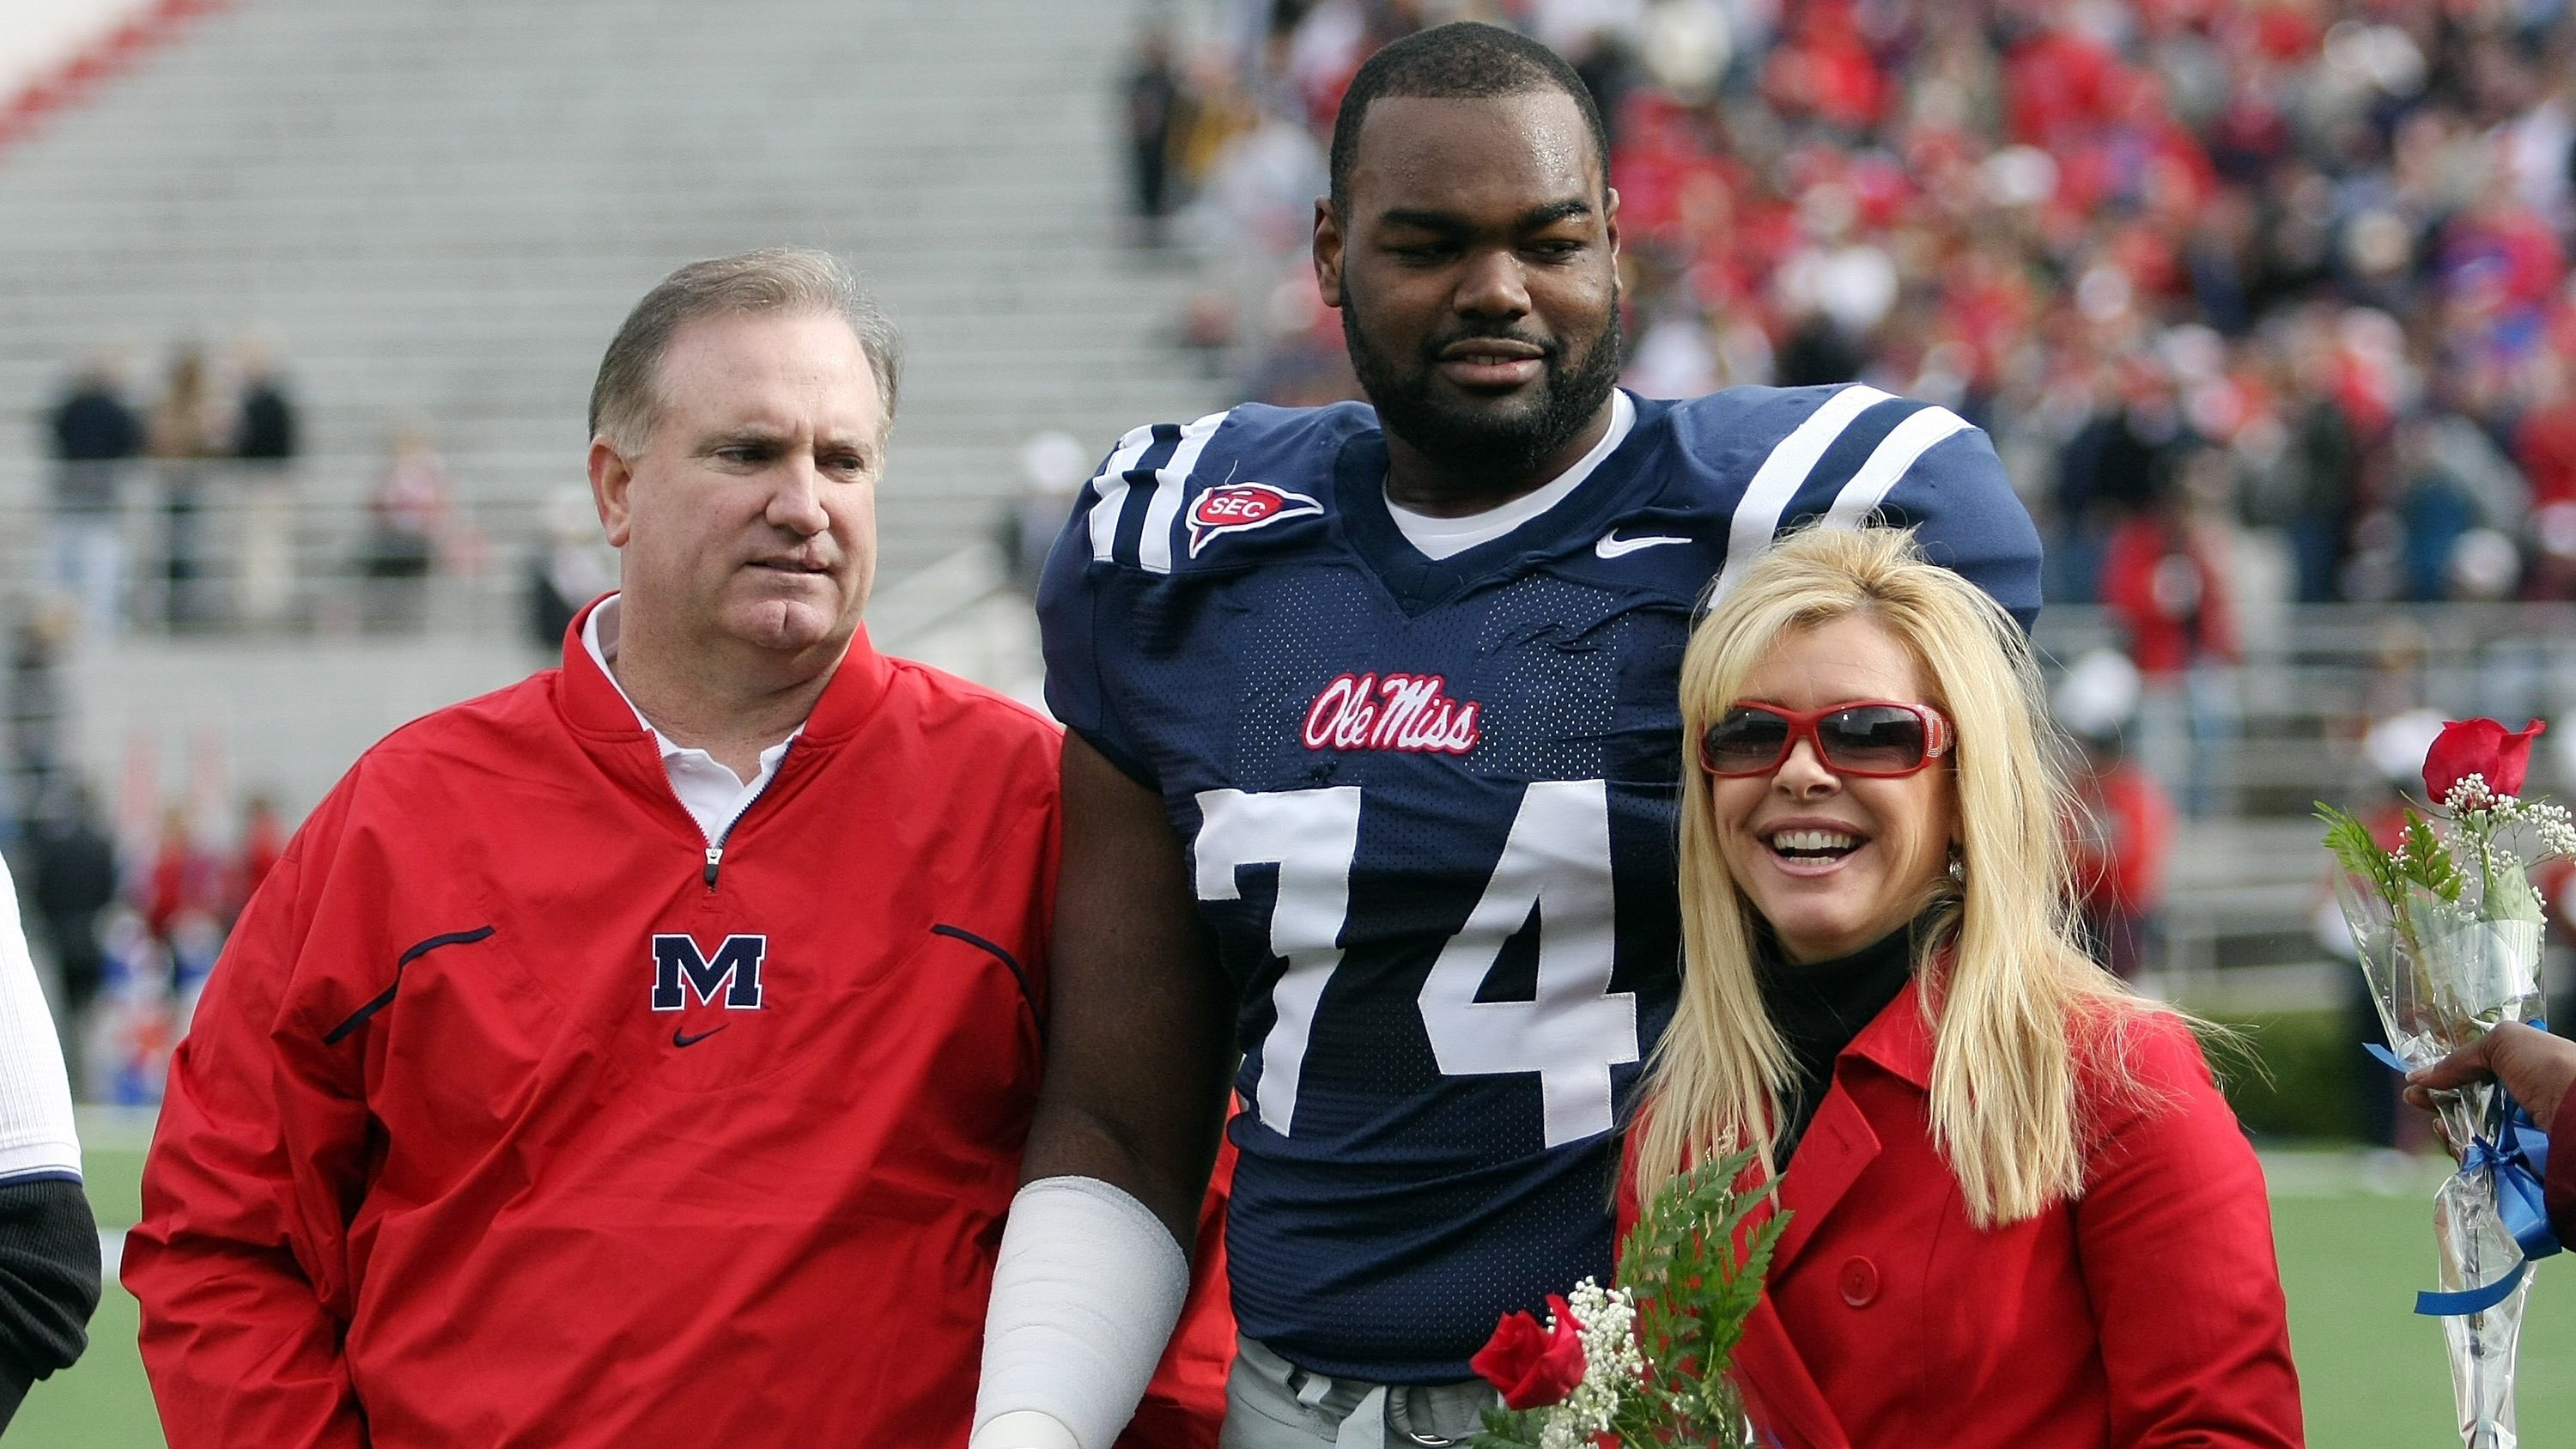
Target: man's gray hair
[[626, 399]]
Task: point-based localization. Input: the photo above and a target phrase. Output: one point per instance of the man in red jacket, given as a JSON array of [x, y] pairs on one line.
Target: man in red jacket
[[641, 1055]]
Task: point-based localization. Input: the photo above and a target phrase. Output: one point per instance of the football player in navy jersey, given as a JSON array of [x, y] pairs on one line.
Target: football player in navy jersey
[[1371, 775]]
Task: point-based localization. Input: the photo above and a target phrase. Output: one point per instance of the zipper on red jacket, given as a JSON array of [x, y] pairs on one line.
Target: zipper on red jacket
[[716, 847]]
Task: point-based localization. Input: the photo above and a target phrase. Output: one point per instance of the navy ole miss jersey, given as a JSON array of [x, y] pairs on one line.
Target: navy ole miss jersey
[[1429, 810]]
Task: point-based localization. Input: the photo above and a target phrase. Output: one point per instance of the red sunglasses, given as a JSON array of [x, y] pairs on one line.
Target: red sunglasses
[[1880, 739]]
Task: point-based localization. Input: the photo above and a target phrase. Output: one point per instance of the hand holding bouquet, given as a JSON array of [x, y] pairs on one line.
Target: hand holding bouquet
[[1643, 1363], [2448, 930]]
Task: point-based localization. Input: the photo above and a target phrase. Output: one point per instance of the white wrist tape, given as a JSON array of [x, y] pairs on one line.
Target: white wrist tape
[[1085, 1295]]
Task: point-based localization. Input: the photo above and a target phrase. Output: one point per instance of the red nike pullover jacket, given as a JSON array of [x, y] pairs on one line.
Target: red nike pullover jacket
[[516, 1115]]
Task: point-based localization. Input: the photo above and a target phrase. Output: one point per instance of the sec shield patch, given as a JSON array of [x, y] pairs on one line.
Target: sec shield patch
[[1234, 507]]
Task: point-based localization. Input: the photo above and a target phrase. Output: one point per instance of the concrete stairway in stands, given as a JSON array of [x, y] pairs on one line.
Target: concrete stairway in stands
[[444, 209]]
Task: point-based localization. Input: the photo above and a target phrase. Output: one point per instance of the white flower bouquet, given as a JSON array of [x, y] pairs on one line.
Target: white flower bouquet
[[2448, 932], [1644, 1363]]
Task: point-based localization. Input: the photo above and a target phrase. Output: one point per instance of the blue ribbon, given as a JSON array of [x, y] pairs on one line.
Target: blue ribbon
[[2472, 1300], [2518, 1156]]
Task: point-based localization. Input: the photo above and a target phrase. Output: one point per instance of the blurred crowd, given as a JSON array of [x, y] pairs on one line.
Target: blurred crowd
[[131, 917], [128, 908], [2258, 298], [187, 512], [100, 440]]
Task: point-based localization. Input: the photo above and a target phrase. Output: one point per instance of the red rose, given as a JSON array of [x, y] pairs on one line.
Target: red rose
[[2478, 747], [1533, 1366]]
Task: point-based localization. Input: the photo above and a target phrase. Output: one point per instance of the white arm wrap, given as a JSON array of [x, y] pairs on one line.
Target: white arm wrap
[[1085, 1295]]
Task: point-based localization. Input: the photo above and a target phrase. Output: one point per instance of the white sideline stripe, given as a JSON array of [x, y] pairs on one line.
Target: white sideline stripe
[[1776, 482], [111, 1253], [1907, 441], [1171, 485], [1111, 484]]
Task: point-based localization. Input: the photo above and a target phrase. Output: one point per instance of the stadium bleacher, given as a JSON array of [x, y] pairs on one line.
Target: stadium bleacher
[[442, 211]]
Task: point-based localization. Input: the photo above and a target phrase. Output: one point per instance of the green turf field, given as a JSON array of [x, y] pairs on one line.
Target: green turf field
[[2372, 1374], [100, 1402], [2351, 1259]]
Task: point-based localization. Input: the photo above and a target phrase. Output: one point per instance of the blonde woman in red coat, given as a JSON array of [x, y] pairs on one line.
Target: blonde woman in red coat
[[2021, 1214]]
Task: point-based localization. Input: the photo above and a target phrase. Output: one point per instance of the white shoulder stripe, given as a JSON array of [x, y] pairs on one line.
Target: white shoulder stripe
[[1171, 485], [1775, 483], [1111, 484], [1895, 453]]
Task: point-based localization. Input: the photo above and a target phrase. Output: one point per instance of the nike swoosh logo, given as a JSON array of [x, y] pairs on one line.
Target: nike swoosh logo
[[1613, 546], [682, 1038]]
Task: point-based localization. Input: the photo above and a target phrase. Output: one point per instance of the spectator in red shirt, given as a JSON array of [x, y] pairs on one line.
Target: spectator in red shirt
[[263, 841], [2056, 83], [2122, 833], [2544, 442], [2166, 581], [1824, 71], [2165, 578], [186, 879]]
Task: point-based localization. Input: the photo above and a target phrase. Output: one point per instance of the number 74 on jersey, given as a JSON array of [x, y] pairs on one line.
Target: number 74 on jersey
[[1555, 867]]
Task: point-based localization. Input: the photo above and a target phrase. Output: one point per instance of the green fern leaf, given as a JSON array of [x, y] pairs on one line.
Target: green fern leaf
[[2423, 860], [2350, 842]]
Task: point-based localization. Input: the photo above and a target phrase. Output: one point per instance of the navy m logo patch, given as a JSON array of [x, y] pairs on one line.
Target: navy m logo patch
[[679, 968]]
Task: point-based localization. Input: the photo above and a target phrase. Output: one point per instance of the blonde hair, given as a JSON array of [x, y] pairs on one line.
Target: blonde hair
[[2011, 998]]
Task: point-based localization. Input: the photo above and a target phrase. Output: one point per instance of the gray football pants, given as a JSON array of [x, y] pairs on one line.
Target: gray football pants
[[1271, 1403]]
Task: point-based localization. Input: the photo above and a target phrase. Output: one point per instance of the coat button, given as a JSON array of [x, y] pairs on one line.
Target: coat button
[[1859, 1282]]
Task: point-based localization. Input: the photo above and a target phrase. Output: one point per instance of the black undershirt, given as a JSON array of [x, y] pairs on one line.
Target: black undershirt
[[49, 1283], [1818, 1009]]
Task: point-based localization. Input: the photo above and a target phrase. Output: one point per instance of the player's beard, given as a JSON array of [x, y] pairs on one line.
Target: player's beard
[[1506, 442]]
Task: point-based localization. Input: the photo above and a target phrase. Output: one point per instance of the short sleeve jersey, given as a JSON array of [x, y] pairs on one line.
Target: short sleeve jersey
[[1429, 807]]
